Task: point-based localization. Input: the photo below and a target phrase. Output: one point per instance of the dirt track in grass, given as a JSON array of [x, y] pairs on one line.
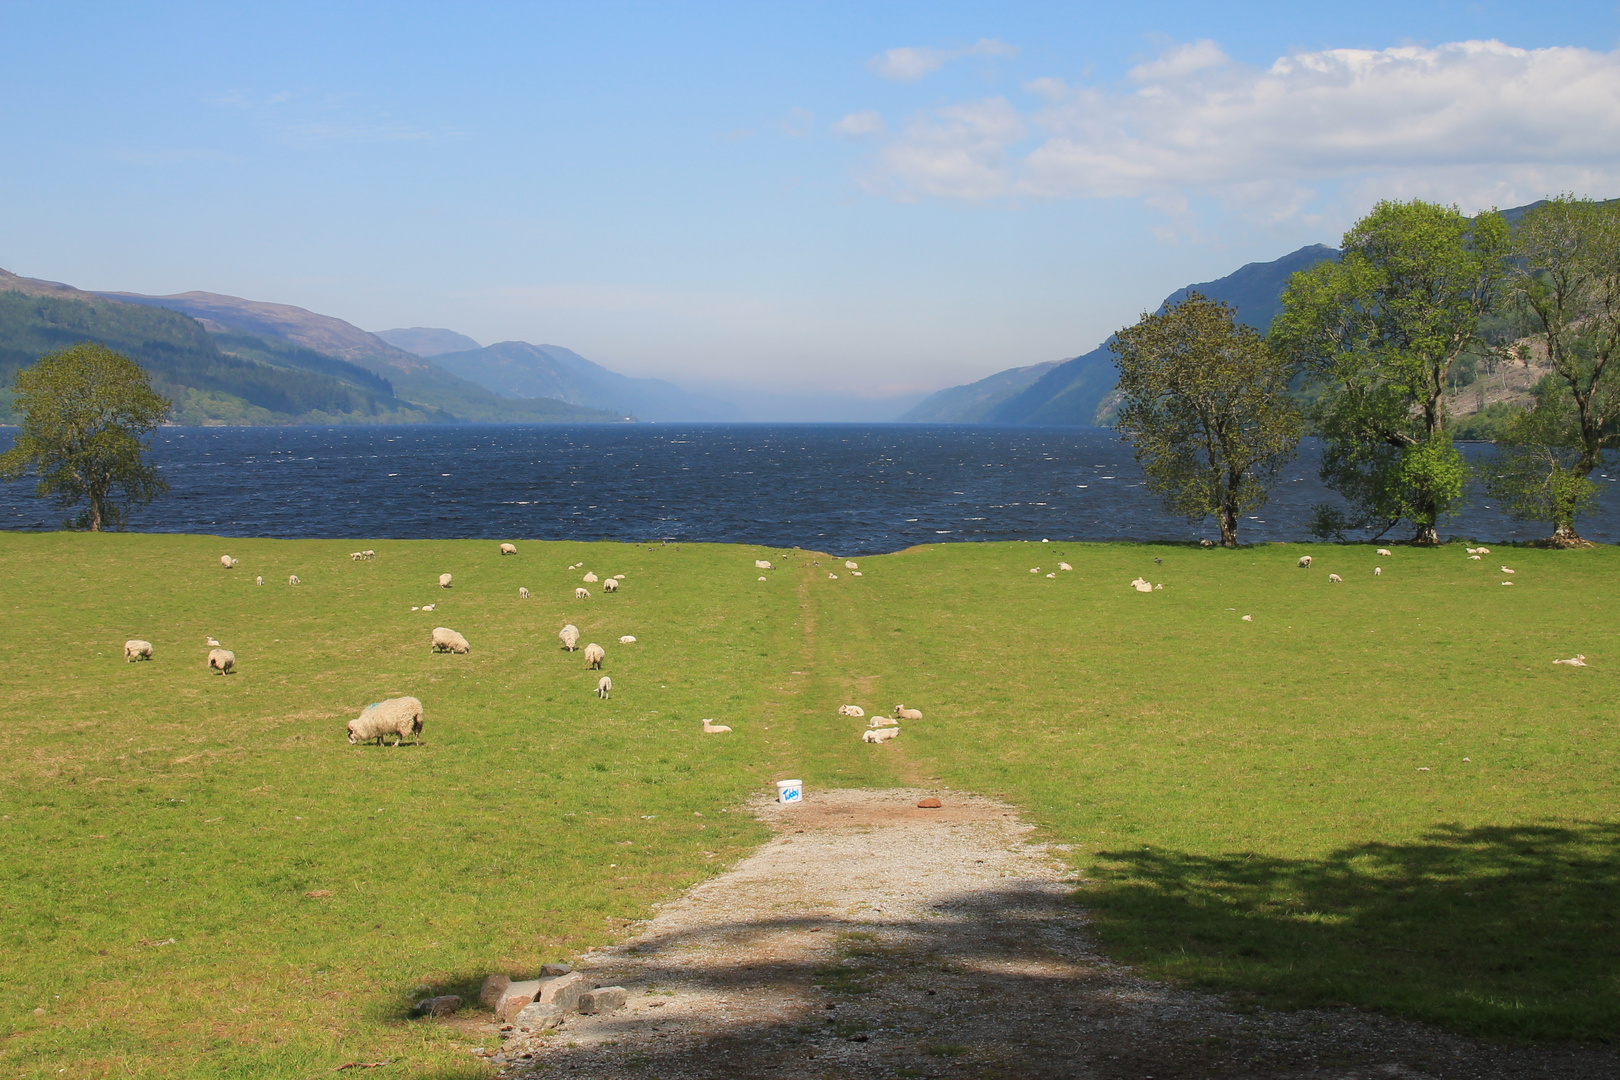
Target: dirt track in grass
[[872, 938]]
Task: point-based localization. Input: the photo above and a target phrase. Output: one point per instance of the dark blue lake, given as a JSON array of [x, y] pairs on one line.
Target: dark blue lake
[[847, 489]]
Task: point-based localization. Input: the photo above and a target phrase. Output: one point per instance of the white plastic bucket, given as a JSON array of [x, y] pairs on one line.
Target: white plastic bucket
[[789, 791]]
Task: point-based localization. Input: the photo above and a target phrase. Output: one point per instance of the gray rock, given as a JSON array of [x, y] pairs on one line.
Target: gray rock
[[604, 999], [444, 1005], [489, 995], [514, 997], [563, 991], [553, 970], [537, 1017]]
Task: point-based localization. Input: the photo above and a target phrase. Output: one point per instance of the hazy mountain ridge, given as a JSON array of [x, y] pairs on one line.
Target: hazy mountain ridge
[[972, 402], [427, 341]]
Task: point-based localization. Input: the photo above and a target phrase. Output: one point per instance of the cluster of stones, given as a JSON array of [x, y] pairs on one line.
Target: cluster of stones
[[530, 1006]]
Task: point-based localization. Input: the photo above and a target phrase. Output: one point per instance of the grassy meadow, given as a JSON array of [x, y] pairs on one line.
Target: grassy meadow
[[1380, 793]]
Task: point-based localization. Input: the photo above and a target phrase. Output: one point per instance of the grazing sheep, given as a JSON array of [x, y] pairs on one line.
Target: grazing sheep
[[849, 564], [763, 564], [877, 735], [221, 660], [1385, 552], [851, 710], [628, 639], [712, 728], [292, 579], [368, 553], [136, 649], [1305, 562], [604, 687], [903, 713], [227, 562], [259, 580], [1579, 660], [508, 549], [400, 716], [447, 640], [590, 578], [356, 556], [1378, 571], [444, 581], [1335, 579], [1064, 566], [523, 594], [582, 594], [569, 635], [610, 585], [594, 655]]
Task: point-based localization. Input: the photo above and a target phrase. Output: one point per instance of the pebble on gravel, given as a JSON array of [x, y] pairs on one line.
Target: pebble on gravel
[[930, 803], [604, 999], [444, 1005]]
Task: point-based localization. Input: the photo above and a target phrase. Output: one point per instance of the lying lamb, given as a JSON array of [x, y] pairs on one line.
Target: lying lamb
[[903, 713], [508, 549], [1579, 659], [763, 564], [1141, 585], [628, 639], [136, 649], [1064, 566], [1385, 552], [594, 655], [590, 578], [400, 716], [850, 565], [851, 710], [221, 660], [712, 728], [447, 640], [877, 735], [570, 637], [604, 687]]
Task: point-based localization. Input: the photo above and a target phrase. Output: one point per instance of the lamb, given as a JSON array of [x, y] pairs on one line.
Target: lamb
[[523, 594], [610, 585], [903, 713], [508, 549], [832, 577], [582, 594], [292, 579], [444, 581], [400, 716], [1579, 659], [1035, 570], [1064, 566], [618, 577], [227, 562], [211, 642], [447, 640], [221, 660], [1472, 551], [854, 573], [628, 639], [427, 607], [1141, 585], [712, 728], [883, 721], [1051, 575], [1505, 570], [1335, 579], [259, 580], [1206, 542], [1385, 552], [1378, 571], [570, 637], [1304, 562], [1483, 551], [762, 577], [877, 735], [356, 556], [763, 564], [1473, 558], [594, 655], [590, 578], [851, 710], [850, 564], [604, 687], [368, 553], [1248, 618], [136, 649]]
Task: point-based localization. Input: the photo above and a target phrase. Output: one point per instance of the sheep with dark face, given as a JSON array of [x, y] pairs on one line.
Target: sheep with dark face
[[221, 660], [136, 649], [508, 549], [401, 717]]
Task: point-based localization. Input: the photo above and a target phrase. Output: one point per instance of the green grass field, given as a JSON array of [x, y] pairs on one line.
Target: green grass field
[[1380, 793]]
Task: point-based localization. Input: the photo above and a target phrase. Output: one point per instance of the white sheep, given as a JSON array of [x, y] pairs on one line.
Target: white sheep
[[582, 593], [427, 607], [628, 639], [1507, 582], [1248, 618], [136, 649], [211, 642], [1473, 558], [1051, 575], [523, 594], [832, 577], [854, 573], [1035, 570], [849, 564], [590, 578], [903, 713], [1483, 551], [444, 581], [1206, 542], [618, 577], [594, 655], [712, 728], [1505, 570], [1141, 585], [604, 687], [877, 735], [227, 562], [1064, 566], [610, 585], [508, 549], [763, 564], [1385, 552], [447, 640], [883, 721], [851, 710], [259, 580], [1579, 660], [221, 660], [368, 553], [400, 716], [1335, 579], [569, 635], [1472, 551], [762, 577], [292, 579], [1378, 571], [356, 556], [1305, 562]]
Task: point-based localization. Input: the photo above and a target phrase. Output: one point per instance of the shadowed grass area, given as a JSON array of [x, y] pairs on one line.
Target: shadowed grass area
[[1381, 792]]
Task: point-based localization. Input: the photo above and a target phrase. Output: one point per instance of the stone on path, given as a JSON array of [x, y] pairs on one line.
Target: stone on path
[[604, 999], [929, 803], [537, 1017], [515, 997], [562, 991]]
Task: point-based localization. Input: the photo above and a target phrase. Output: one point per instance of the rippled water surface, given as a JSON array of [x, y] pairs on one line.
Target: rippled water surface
[[846, 489]]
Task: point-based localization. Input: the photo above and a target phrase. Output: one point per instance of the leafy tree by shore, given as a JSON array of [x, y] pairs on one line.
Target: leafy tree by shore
[[86, 412], [1540, 472], [1206, 407], [1378, 332]]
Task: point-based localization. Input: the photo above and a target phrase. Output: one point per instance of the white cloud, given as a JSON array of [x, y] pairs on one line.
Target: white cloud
[[1473, 120], [911, 62], [856, 125]]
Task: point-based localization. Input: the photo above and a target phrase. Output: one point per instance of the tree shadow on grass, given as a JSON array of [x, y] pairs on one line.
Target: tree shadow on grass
[[1503, 931]]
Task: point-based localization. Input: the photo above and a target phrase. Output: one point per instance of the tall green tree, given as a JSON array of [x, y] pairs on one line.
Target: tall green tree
[[1207, 409], [1540, 471], [1565, 284], [1377, 334], [87, 412]]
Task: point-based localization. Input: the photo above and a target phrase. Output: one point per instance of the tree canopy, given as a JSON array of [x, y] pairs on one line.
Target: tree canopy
[[86, 413]]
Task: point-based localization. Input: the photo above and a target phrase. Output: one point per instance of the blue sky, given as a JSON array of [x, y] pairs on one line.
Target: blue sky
[[800, 199]]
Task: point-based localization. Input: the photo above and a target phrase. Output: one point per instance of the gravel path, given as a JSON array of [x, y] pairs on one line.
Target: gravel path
[[871, 938]]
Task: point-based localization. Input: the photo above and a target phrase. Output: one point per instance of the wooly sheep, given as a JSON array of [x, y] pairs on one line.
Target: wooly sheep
[[582, 593], [594, 655], [877, 735], [368, 553], [259, 580], [851, 710], [569, 635], [849, 564], [628, 639], [1305, 562], [1483, 551], [1378, 571], [604, 687], [762, 577], [427, 607], [292, 579], [356, 556], [226, 561], [1335, 579], [763, 564], [618, 577], [508, 549], [712, 728], [1473, 558], [1505, 570], [883, 721], [1034, 569], [444, 581], [136, 649], [400, 716], [610, 585], [523, 594], [590, 578], [903, 713], [832, 577], [1206, 542], [1579, 660], [1385, 552], [1051, 575], [221, 660], [447, 640], [211, 642], [1141, 585], [1064, 566]]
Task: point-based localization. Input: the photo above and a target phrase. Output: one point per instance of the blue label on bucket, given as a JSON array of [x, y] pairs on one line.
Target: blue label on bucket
[[789, 791]]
